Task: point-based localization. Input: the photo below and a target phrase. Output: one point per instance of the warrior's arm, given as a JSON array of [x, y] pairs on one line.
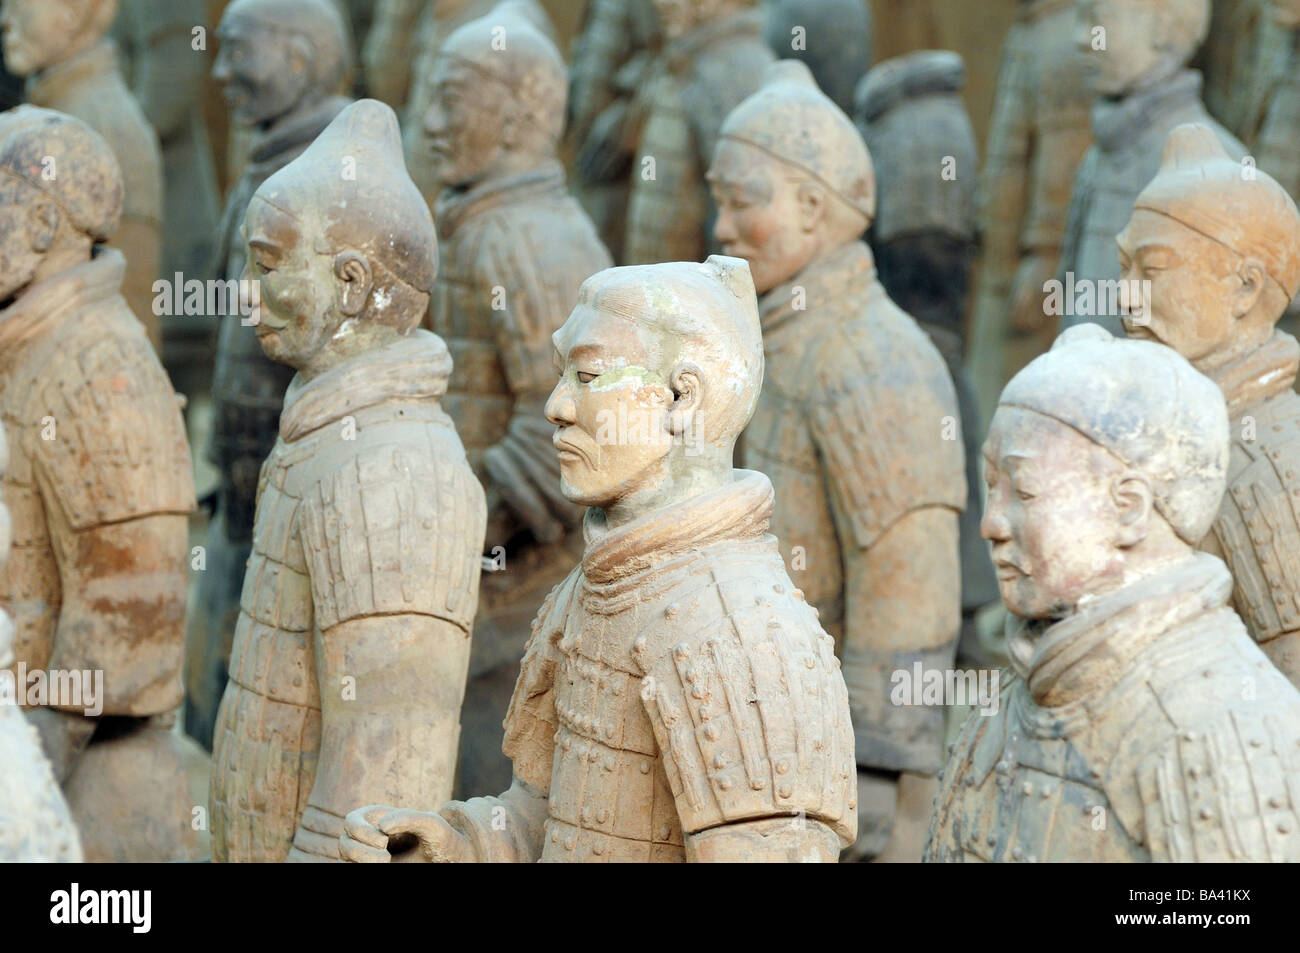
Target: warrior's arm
[[1005, 181], [391, 688]]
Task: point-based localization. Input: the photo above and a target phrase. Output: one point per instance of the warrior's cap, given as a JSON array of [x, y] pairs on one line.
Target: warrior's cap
[[1144, 403], [794, 121], [509, 47], [353, 175], [66, 160], [712, 307], [320, 21], [1243, 208], [903, 77]]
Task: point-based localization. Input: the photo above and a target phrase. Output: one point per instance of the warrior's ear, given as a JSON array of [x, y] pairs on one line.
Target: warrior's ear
[[687, 383], [812, 205], [1252, 276], [355, 281], [1135, 505], [42, 225]]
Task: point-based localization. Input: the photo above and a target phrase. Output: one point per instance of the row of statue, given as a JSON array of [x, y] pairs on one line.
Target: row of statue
[[636, 503]]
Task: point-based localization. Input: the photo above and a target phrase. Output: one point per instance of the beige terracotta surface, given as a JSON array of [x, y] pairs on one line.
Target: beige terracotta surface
[[677, 700], [351, 650], [1139, 721], [280, 84], [849, 425], [515, 249], [713, 57], [1144, 91], [71, 66], [35, 824], [99, 489], [1221, 250], [1038, 133]]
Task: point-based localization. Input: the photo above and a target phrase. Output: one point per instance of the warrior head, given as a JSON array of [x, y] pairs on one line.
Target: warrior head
[[39, 34], [791, 177], [678, 17], [341, 244], [660, 369], [1139, 43], [832, 36], [1219, 242], [497, 99], [1106, 459], [60, 193], [279, 58], [1286, 13]]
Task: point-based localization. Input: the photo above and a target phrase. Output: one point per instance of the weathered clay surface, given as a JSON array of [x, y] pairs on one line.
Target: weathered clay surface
[[1144, 90], [440, 21], [911, 115], [1039, 131], [280, 83], [634, 730], [1123, 732], [611, 57], [713, 57], [1221, 251], [515, 249], [849, 427], [350, 654], [35, 825], [71, 66], [166, 75], [99, 488]]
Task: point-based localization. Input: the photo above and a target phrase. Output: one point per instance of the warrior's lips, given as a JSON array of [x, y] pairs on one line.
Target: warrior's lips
[[567, 451], [1007, 572]]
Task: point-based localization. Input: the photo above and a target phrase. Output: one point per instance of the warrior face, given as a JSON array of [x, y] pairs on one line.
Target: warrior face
[[264, 73], [610, 409], [467, 126], [40, 33], [768, 213], [1060, 510], [297, 314], [1143, 39], [1286, 13], [1203, 295]]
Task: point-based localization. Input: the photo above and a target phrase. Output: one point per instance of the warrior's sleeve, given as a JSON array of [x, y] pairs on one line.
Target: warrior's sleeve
[[392, 538], [390, 49], [168, 78], [113, 467], [889, 439], [1224, 793], [508, 828], [1076, 218], [538, 288], [1004, 183], [751, 718]]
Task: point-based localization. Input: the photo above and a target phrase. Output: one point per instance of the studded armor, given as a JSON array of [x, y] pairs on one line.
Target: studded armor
[[366, 509], [849, 426], [677, 686], [1188, 751], [1257, 531], [697, 80], [1130, 135]]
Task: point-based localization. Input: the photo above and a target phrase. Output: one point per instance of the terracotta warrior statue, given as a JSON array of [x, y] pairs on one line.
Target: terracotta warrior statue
[[611, 57], [910, 112], [441, 19], [280, 63], [678, 700], [713, 57], [1038, 133], [99, 489], [1278, 152], [167, 76], [71, 66], [834, 39], [1144, 90], [1221, 253], [1139, 722], [35, 824], [516, 248], [857, 427], [350, 655]]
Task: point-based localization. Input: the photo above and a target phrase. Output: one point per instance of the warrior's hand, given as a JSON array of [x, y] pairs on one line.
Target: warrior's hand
[[381, 835]]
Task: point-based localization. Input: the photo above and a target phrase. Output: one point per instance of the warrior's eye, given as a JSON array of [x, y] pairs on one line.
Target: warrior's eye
[[586, 377]]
